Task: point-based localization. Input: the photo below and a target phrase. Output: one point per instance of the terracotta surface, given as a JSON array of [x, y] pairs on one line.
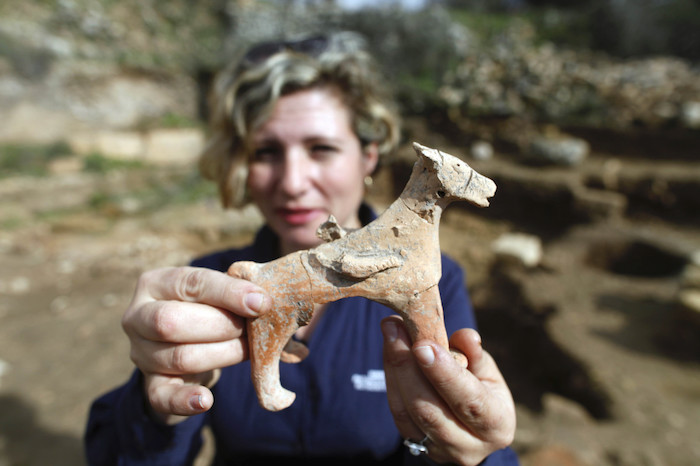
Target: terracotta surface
[[395, 260]]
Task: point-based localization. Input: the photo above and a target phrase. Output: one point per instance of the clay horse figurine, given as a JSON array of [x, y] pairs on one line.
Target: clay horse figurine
[[394, 260]]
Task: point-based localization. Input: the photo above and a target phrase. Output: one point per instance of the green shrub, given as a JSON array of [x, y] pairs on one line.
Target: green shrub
[[98, 163], [30, 159]]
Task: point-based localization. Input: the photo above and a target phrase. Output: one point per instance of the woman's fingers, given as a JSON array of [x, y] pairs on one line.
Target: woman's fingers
[[178, 322], [467, 397], [495, 420], [173, 397], [189, 320], [468, 341], [417, 409], [397, 359], [205, 286], [178, 358], [430, 393], [184, 324]]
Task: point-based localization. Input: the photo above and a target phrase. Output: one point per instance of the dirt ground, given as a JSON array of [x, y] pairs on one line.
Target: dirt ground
[[603, 368]]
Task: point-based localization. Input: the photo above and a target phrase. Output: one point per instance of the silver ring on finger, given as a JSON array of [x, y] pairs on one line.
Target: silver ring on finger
[[417, 448]]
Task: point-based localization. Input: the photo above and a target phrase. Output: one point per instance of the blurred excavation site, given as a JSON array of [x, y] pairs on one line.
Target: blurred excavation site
[[584, 271]]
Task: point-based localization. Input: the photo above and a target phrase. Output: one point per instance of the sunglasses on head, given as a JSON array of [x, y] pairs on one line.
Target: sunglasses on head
[[311, 46]]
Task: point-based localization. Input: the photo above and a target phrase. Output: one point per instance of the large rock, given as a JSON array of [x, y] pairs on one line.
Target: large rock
[[174, 146], [160, 146], [690, 114], [520, 247], [560, 150], [481, 150], [689, 301], [124, 145], [688, 298]]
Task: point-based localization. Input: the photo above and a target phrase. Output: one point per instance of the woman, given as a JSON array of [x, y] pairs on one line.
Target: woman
[[298, 128]]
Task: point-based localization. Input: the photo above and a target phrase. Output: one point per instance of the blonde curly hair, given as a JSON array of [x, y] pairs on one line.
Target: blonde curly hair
[[245, 93]]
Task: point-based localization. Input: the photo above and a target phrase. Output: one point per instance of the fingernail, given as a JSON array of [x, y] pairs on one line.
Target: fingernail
[[196, 402], [424, 355], [391, 332], [254, 302]]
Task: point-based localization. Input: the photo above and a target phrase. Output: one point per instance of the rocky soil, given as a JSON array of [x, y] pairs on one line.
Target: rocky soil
[[601, 357]]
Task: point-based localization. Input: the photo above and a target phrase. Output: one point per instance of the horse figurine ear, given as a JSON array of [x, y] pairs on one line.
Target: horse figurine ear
[[431, 157]]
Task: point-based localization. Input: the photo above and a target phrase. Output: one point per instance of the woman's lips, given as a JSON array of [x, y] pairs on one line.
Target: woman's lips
[[298, 216]]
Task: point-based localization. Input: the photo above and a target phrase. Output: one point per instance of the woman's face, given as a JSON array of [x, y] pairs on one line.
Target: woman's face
[[307, 163]]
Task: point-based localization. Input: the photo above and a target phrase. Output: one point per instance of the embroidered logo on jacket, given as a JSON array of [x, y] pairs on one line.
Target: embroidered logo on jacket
[[373, 381]]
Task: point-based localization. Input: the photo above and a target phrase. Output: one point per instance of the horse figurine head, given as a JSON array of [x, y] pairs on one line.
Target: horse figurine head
[[455, 180]]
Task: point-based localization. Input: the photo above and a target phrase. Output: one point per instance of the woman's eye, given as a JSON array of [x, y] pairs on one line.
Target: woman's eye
[[265, 154], [323, 150]]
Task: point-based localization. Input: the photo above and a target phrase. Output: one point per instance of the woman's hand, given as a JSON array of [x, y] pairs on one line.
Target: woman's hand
[[465, 413], [184, 324]]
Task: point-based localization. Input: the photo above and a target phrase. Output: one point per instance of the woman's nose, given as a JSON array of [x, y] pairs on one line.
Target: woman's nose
[[296, 173]]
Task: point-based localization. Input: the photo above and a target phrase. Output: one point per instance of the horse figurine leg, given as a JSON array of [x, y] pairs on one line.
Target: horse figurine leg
[[265, 351], [269, 336], [423, 318]]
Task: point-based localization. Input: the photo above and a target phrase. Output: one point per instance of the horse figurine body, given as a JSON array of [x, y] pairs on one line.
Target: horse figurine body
[[394, 260]]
